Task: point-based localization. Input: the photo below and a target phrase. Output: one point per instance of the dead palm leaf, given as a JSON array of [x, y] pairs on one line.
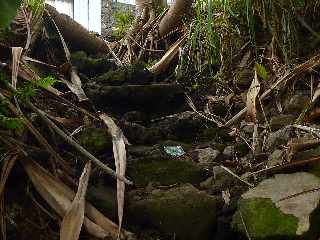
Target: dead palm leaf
[[73, 219], [119, 152]]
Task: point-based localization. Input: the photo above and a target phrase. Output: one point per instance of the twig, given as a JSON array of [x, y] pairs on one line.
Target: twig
[[308, 129], [284, 166], [297, 71], [76, 145], [113, 54], [244, 226], [236, 176], [43, 142]]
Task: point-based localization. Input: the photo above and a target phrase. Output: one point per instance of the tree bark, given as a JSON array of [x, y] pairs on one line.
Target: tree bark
[[173, 18], [76, 35]]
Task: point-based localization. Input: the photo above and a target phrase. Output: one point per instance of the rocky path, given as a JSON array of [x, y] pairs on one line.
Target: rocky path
[[175, 158]]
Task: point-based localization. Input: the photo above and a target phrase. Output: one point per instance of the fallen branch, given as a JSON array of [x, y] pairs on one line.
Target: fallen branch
[[294, 74], [77, 146], [73, 32]]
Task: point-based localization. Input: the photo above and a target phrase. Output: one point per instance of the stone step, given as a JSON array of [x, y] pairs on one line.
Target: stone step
[[155, 99]]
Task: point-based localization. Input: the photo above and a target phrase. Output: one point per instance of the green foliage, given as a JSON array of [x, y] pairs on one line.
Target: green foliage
[[9, 122], [124, 21], [27, 90], [8, 11], [37, 6], [261, 71], [6, 121], [207, 54]]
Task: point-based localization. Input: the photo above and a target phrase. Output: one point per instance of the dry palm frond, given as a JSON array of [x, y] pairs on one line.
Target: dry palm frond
[[28, 20]]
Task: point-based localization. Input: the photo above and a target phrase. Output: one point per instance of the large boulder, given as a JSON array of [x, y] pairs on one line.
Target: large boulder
[[283, 207], [182, 213]]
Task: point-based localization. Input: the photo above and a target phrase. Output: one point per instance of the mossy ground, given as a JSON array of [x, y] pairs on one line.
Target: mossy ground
[[183, 212], [264, 221], [165, 171]]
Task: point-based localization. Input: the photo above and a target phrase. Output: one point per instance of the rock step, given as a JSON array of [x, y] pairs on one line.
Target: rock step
[[155, 99]]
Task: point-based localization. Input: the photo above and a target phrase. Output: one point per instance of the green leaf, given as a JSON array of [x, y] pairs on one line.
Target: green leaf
[[8, 10], [10, 123], [261, 71]]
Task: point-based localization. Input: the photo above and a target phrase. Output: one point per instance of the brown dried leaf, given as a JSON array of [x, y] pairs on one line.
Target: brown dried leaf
[[294, 74], [73, 219], [75, 85], [16, 56], [119, 152], [7, 166], [252, 97], [316, 94], [59, 197], [299, 144], [165, 61]]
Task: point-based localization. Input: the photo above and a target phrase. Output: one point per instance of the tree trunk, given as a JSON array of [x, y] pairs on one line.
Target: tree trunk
[[76, 34], [173, 18]]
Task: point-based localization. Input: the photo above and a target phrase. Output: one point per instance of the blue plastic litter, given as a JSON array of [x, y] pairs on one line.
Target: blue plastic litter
[[175, 151]]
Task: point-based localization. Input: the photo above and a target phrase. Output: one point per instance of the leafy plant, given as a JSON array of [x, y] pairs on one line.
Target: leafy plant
[[29, 88], [26, 90], [10, 122], [124, 21], [8, 11], [37, 6], [261, 71]]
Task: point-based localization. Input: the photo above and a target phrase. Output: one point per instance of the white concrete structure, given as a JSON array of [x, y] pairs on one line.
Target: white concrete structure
[[133, 1], [85, 12]]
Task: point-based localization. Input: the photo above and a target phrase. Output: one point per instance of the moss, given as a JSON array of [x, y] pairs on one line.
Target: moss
[[152, 99], [219, 146], [218, 135], [315, 152], [280, 121], [104, 199], [263, 220], [134, 74], [242, 149], [244, 77], [95, 140], [165, 171], [91, 66], [182, 212]]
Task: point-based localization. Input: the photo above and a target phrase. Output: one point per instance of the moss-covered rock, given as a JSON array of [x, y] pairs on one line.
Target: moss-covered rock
[[156, 99], [297, 103], [184, 126], [95, 140], [184, 213], [307, 154], [216, 134], [278, 138], [164, 170], [244, 77], [281, 120], [104, 198], [133, 74], [263, 220], [138, 134], [91, 66], [280, 208]]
